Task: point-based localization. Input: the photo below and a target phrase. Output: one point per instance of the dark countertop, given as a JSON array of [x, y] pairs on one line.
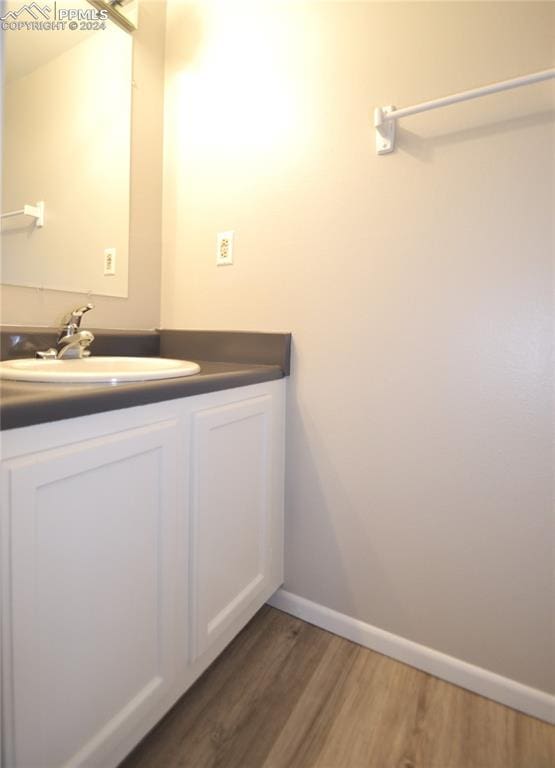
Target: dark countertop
[[25, 403], [227, 359]]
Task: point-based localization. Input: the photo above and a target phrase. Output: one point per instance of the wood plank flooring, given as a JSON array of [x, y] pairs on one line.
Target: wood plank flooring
[[286, 694]]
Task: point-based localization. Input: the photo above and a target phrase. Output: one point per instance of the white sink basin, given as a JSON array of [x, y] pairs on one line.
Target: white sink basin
[[89, 369]]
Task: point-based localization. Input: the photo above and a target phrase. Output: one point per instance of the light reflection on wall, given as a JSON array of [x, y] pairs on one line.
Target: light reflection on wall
[[239, 91]]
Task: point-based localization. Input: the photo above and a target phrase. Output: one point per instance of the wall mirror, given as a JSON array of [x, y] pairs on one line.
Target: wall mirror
[[66, 143]]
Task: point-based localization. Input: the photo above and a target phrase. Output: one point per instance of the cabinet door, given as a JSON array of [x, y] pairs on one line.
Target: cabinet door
[[89, 596], [235, 515]]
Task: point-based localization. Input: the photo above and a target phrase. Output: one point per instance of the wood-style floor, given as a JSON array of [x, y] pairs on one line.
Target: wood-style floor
[[285, 694]]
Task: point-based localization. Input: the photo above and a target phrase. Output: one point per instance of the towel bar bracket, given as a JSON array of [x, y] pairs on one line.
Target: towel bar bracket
[[385, 130], [37, 211]]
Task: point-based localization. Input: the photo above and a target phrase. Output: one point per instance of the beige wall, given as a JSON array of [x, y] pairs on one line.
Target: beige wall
[[141, 309], [417, 287]]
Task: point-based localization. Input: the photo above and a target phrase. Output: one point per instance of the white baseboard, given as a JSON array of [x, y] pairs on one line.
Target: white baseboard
[[489, 684]]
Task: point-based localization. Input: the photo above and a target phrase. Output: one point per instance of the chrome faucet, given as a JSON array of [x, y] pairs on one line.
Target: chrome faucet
[[72, 341]]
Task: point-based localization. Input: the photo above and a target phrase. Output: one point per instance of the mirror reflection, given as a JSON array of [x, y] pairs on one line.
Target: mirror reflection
[[66, 144]]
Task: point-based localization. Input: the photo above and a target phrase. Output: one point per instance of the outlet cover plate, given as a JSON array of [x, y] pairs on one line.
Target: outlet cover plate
[[109, 261], [224, 252]]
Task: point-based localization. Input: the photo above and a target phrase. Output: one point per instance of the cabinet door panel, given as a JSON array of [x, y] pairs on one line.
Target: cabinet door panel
[[231, 514], [93, 534]]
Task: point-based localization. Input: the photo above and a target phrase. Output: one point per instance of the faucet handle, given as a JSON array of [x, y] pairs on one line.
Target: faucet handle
[[74, 317]]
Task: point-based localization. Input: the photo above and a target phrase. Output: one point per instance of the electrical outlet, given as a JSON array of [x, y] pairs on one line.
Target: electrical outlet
[[110, 261], [224, 253]]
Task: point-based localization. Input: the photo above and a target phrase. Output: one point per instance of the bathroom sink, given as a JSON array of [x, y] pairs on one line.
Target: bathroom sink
[[90, 369]]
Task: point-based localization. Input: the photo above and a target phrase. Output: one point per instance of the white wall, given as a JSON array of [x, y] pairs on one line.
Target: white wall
[[29, 306], [416, 285]]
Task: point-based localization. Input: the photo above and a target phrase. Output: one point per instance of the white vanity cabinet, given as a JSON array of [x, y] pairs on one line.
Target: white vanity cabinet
[[236, 515], [135, 545]]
